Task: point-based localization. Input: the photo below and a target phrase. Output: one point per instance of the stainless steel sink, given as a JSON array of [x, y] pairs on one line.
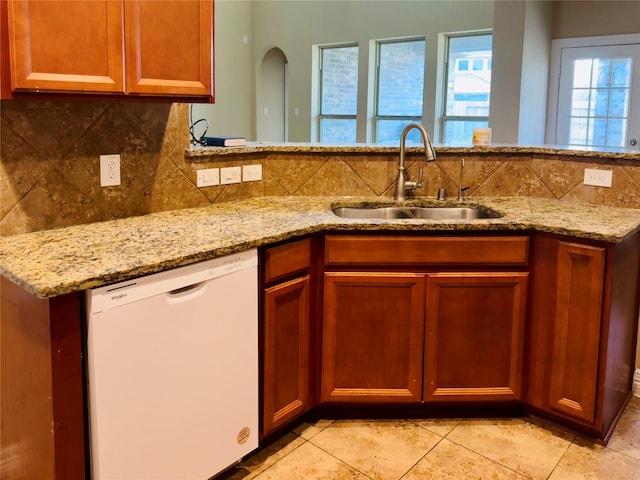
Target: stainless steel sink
[[421, 213]]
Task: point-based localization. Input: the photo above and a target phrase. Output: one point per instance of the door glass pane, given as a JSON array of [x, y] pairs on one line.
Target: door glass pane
[[619, 102], [616, 132], [582, 73], [578, 131], [580, 103], [602, 72], [621, 73], [599, 103], [599, 112]]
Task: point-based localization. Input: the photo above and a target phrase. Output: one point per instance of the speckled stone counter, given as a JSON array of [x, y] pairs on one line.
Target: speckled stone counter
[[197, 153], [54, 262]]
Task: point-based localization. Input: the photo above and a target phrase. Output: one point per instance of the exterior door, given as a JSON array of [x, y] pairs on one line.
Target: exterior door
[[599, 97]]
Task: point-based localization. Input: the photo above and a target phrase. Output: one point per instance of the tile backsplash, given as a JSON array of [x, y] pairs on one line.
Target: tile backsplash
[[49, 168]]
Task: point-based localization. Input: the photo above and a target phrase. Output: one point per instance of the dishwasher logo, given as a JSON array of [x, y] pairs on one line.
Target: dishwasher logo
[[243, 435], [117, 297]]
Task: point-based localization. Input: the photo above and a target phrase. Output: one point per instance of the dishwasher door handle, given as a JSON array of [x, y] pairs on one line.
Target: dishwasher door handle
[[186, 292]]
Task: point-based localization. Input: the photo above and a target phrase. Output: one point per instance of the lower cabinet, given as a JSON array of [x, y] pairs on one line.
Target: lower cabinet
[[573, 379], [582, 330], [372, 337], [286, 387], [474, 336], [426, 334]]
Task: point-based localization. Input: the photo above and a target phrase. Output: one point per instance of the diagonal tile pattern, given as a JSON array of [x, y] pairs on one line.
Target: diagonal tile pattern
[[49, 165], [443, 449]]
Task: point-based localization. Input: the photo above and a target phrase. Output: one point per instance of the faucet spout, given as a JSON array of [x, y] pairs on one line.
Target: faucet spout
[[403, 184]]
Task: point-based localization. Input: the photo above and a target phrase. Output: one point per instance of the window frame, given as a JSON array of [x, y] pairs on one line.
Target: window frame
[[376, 117], [444, 118], [322, 116]]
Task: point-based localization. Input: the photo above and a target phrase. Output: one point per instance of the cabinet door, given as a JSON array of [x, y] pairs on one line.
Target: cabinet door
[[169, 47], [372, 337], [286, 377], [474, 336], [66, 46], [576, 340]]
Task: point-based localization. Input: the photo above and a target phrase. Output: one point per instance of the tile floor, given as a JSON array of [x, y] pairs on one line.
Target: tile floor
[[459, 449]]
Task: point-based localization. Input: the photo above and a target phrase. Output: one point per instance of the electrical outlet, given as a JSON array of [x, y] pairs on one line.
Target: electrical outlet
[[251, 173], [230, 175], [110, 170], [208, 177], [598, 178]]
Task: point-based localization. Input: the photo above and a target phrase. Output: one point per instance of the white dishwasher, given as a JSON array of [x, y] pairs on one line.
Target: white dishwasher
[[172, 367]]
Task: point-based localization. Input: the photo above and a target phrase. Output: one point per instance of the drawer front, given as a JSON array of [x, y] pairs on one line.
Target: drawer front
[[405, 250], [287, 259]]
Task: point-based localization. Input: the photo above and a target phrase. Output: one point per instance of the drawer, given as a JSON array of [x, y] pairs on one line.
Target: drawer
[[285, 260], [437, 250]]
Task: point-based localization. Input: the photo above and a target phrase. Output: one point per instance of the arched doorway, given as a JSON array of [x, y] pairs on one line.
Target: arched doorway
[[272, 116]]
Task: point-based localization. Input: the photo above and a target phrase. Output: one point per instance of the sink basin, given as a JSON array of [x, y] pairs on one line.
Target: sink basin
[[421, 213]]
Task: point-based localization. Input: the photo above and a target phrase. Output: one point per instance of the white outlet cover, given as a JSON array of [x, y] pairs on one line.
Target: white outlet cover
[[598, 178], [110, 170], [251, 173]]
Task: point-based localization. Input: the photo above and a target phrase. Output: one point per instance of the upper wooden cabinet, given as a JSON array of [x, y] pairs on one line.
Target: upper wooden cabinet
[[133, 47]]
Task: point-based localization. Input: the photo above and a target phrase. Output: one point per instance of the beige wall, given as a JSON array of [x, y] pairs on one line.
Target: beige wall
[[295, 27], [234, 110], [594, 18]]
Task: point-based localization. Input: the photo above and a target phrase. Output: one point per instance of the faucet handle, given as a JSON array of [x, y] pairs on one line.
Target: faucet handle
[[419, 184]]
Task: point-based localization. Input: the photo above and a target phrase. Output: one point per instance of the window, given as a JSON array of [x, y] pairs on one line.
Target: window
[[399, 89], [338, 94], [468, 85], [597, 88]]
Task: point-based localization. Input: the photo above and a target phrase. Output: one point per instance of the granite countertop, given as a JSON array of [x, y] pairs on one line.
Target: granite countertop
[[54, 262], [196, 153]]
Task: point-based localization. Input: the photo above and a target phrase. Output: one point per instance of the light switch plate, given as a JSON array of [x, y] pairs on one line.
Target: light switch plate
[[230, 175], [208, 177]]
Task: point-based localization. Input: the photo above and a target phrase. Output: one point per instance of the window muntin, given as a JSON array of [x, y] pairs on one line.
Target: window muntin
[[399, 88], [600, 101], [468, 87], [338, 94]]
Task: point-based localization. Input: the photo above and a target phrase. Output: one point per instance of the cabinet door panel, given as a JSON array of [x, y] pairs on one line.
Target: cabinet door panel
[[286, 353], [474, 336], [66, 46], [576, 344], [372, 337], [169, 47]]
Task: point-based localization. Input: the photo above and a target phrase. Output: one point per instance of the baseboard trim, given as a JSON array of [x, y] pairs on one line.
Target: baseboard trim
[[636, 383]]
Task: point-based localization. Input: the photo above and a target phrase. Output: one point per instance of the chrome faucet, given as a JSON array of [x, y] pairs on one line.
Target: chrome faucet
[[403, 184]]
